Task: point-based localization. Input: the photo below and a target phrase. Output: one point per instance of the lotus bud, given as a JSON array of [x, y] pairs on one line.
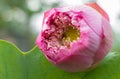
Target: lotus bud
[[75, 38]]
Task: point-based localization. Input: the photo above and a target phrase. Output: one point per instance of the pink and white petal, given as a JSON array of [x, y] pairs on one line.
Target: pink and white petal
[[106, 43]]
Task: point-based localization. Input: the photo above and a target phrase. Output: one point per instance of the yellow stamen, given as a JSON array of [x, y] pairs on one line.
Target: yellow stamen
[[71, 34]]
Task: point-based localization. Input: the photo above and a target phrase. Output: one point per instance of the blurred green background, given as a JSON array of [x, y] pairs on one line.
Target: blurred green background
[[15, 20]]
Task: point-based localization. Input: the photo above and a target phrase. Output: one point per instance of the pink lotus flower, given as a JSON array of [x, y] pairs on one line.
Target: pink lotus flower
[[75, 38]]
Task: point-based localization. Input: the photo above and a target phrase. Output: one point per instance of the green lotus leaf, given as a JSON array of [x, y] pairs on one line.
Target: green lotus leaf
[[15, 64]]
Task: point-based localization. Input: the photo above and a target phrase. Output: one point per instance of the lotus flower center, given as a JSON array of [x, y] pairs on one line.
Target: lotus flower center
[[71, 34], [62, 32]]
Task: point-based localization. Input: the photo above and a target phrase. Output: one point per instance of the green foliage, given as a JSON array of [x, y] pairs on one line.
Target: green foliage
[[15, 64]]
